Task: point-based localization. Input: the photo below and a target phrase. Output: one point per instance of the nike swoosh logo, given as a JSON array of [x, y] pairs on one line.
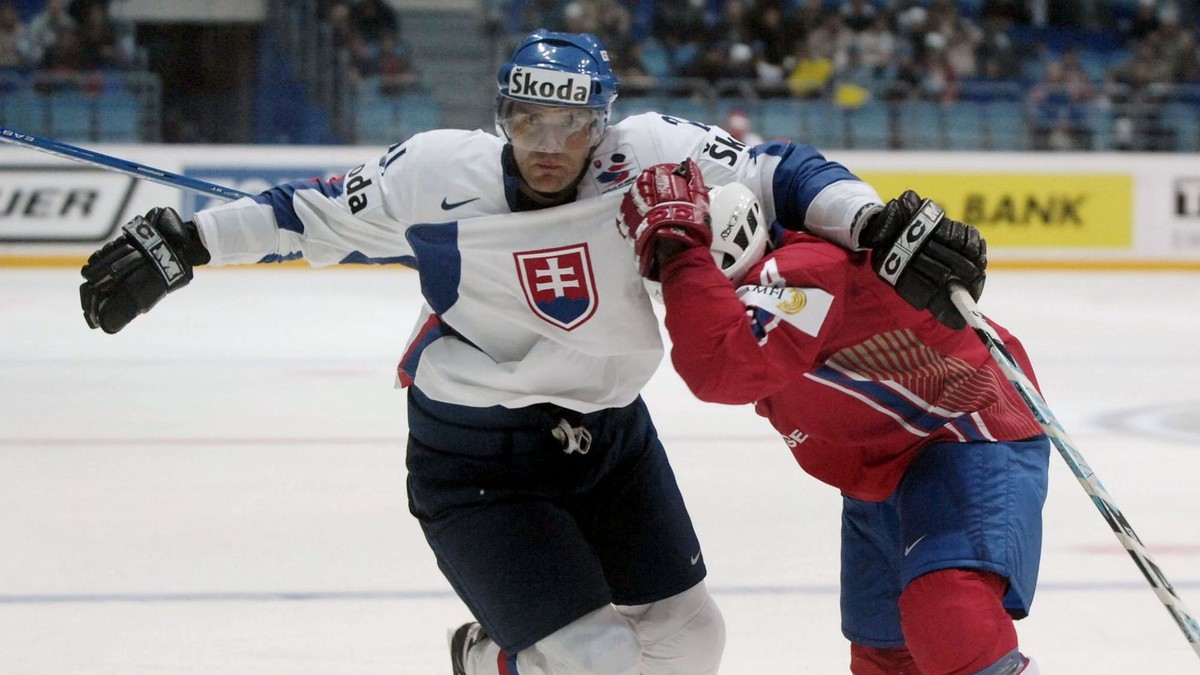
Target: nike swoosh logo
[[446, 206], [908, 549], [695, 558]]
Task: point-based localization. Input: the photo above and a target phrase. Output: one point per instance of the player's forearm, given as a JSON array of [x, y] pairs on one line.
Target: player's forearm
[[241, 232], [714, 349]]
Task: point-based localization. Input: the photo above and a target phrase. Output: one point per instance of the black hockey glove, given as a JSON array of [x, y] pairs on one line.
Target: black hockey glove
[[153, 256], [920, 251]]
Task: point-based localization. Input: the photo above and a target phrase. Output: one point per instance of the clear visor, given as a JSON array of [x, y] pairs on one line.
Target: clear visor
[[549, 128]]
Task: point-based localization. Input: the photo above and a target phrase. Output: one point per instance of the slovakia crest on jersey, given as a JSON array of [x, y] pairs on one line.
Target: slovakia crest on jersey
[[616, 169], [558, 284]]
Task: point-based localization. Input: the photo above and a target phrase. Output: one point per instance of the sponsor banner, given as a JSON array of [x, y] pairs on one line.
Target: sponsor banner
[[1029, 210], [1185, 231], [40, 204], [550, 86], [1041, 210]]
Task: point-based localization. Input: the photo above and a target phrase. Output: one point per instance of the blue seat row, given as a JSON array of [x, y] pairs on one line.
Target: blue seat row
[[109, 117]]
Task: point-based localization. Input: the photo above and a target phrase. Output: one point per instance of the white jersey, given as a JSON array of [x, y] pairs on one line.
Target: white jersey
[[522, 307]]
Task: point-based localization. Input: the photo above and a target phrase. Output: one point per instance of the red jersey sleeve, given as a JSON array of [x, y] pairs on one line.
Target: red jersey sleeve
[[738, 345]]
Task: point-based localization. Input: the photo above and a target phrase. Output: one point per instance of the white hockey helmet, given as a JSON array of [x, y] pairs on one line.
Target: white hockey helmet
[[739, 233]]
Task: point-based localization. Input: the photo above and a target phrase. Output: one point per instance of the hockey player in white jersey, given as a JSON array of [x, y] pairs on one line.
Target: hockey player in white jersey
[[533, 466]]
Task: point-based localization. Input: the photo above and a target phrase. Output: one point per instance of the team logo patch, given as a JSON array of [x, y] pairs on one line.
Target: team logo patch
[[616, 170], [804, 308], [558, 284]]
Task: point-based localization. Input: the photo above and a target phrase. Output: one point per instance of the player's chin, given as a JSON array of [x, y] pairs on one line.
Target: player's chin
[[549, 181]]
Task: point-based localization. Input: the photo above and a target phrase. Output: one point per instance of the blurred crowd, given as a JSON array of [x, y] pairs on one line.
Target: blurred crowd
[[1063, 61], [368, 33], [63, 43], [1059, 57]]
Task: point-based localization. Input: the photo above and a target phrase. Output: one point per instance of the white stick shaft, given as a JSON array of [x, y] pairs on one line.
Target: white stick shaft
[[1087, 478]]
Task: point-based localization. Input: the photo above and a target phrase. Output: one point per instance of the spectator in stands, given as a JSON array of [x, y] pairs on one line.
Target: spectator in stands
[[682, 26], [905, 76], [962, 36], [856, 82], [859, 15], [1142, 69], [79, 9], [912, 23], [1136, 98], [940, 81], [373, 19], [813, 70], [739, 125], [336, 13], [722, 61], [1143, 23], [734, 25], [99, 43], [14, 38], [534, 13], [1076, 76], [808, 16], [1012, 12], [1057, 110], [65, 66], [608, 20], [997, 57], [46, 27], [877, 46], [773, 37], [1174, 45], [832, 38], [392, 66]]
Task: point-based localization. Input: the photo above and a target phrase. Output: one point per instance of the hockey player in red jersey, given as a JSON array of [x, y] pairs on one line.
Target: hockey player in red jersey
[[942, 468]]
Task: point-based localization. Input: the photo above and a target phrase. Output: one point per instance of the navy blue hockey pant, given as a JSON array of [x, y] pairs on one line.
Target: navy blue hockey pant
[[531, 537], [960, 505]]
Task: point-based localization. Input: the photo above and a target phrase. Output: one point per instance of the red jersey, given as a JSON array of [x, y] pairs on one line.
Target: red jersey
[[854, 379]]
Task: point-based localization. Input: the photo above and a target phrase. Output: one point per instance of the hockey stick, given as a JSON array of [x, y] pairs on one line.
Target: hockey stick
[[119, 165], [1087, 478]]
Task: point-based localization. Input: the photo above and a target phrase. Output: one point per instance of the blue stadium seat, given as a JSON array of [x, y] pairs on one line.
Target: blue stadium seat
[[71, 116], [964, 126], [920, 125], [22, 111], [822, 124], [388, 119], [870, 126], [418, 112], [1005, 126], [655, 58], [1099, 120], [119, 118], [781, 118], [1183, 119], [688, 108]]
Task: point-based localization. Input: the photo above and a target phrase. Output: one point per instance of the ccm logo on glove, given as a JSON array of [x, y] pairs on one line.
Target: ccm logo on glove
[[926, 218]]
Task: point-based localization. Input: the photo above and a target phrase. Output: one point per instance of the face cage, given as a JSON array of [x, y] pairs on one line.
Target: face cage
[[546, 136]]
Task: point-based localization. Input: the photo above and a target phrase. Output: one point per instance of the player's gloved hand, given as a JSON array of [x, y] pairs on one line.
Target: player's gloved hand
[[920, 251], [153, 256], [664, 212]]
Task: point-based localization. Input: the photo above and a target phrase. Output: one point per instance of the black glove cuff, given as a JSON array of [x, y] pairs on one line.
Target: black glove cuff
[[194, 250], [175, 270], [906, 246]]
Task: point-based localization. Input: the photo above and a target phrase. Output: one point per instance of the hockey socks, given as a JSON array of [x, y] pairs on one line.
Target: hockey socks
[[955, 623]]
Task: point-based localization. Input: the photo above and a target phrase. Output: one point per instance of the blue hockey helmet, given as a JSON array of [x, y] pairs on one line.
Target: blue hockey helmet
[[565, 70]]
